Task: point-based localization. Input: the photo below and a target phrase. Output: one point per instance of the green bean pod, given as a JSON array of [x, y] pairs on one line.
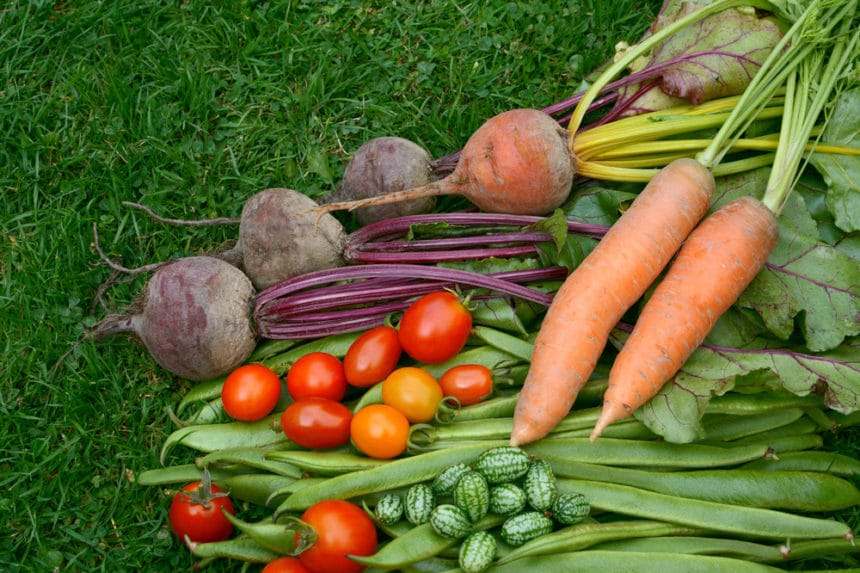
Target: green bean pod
[[584, 535], [396, 473], [646, 453], [728, 427], [697, 545], [736, 403], [485, 354], [726, 518], [186, 473], [292, 487], [780, 445], [596, 560], [289, 537], [803, 425], [503, 406], [262, 490], [628, 429], [212, 437], [325, 463], [496, 407], [505, 342], [430, 565], [372, 395], [241, 548], [801, 491], [498, 428], [737, 548], [815, 461], [251, 457], [418, 544]]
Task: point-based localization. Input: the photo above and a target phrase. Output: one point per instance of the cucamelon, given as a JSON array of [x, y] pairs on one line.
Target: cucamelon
[[450, 521], [503, 464], [477, 552], [540, 485], [472, 495], [419, 503], [523, 527]]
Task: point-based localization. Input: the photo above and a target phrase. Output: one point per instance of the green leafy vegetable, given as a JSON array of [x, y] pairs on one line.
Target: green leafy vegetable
[[842, 172]]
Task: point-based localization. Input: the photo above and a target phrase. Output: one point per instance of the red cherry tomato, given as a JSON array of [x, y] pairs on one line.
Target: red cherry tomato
[[285, 565], [342, 529], [372, 356], [468, 383], [196, 512], [250, 392], [317, 423], [317, 374], [380, 431], [435, 327], [413, 391]]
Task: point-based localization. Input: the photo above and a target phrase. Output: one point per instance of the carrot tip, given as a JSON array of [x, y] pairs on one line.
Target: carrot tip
[[521, 435], [611, 412]]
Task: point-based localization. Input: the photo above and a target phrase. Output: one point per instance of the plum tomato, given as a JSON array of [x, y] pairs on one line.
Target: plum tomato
[[413, 391], [285, 565], [317, 423], [372, 356], [342, 529], [380, 431], [317, 374], [435, 327], [468, 383], [250, 392], [197, 510]]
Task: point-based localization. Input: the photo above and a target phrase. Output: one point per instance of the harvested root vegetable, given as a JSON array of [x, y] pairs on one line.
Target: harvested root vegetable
[[386, 165], [602, 288], [280, 237], [194, 317], [200, 316], [516, 162], [717, 262]]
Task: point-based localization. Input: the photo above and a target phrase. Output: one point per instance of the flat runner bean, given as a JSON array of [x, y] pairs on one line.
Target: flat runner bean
[[594, 560], [185, 473], [418, 544], [485, 355], [213, 437], [260, 489], [815, 461], [582, 536], [695, 545], [791, 490], [397, 473], [325, 463], [241, 548], [250, 457], [618, 452], [727, 427], [738, 520], [736, 548]]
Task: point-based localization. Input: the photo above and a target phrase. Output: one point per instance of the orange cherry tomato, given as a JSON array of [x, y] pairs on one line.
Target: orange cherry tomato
[[380, 431], [413, 391]]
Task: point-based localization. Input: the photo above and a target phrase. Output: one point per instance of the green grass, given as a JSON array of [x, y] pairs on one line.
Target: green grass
[[190, 108]]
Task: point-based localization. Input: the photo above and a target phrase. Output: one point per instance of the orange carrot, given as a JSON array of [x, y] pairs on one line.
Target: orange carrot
[[602, 288], [716, 263]]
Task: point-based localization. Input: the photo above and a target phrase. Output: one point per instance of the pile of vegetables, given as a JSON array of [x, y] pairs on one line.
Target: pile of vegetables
[[653, 370]]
